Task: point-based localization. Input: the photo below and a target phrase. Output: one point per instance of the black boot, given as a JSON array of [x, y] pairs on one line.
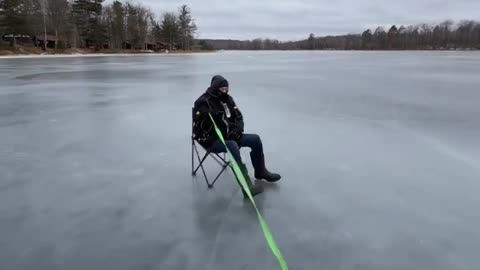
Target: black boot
[[254, 188], [261, 171]]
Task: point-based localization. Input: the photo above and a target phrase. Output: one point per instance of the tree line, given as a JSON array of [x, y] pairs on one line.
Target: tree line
[[444, 36], [91, 24]]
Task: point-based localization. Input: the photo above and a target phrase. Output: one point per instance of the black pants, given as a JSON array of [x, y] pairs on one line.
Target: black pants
[[252, 141]]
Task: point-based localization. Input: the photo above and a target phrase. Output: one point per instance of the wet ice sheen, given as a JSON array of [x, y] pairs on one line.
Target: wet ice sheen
[[379, 156]]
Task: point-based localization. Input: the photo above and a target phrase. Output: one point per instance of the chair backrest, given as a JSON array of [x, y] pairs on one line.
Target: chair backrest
[[194, 116]]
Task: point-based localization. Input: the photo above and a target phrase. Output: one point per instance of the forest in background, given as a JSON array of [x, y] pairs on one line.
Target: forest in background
[[447, 35], [60, 24], [123, 25]]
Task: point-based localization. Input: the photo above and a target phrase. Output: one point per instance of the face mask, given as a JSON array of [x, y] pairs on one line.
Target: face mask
[[223, 90]]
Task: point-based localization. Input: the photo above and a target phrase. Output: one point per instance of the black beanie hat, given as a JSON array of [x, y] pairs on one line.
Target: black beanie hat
[[223, 83], [218, 81]]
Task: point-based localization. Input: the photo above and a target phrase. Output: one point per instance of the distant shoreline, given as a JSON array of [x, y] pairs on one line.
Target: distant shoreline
[[73, 55], [97, 54], [18, 56]]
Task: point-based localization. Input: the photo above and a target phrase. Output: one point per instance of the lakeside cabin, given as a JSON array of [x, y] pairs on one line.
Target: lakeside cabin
[[23, 40], [154, 46], [50, 40], [29, 41]]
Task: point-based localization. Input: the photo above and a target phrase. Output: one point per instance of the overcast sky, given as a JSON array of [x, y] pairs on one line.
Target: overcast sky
[[290, 20]]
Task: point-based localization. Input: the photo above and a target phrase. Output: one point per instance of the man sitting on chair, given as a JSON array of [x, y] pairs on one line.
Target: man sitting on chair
[[229, 120]]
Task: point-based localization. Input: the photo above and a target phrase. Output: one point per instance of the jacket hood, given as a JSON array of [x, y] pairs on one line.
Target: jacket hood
[[217, 82]]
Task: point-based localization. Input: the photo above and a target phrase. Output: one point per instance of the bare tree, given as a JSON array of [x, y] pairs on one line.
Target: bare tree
[[117, 24], [438, 37], [402, 37], [447, 33], [380, 38], [392, 38], [476, 31], [169, 29], [57, 11], [367, 39]]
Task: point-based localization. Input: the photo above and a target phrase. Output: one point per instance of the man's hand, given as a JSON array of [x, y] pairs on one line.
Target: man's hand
[[236, 134]]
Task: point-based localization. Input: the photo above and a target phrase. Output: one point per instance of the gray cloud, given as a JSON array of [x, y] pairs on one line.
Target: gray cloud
[[289, 20]]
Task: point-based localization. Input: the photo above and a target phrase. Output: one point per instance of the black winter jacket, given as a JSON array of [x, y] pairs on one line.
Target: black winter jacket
[[224, 111]]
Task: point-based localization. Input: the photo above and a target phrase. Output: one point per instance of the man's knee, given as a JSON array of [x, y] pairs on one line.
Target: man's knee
[[254, 140]]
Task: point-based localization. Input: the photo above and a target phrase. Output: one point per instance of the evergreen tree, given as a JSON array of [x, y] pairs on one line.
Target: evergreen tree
[[186, 27]]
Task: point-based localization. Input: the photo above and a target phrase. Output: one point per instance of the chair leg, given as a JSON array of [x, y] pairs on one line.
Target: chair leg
[[216, 157], [193, 158], [200, 165], [220, 160], [206, 179], [220, 173], [195, 150]]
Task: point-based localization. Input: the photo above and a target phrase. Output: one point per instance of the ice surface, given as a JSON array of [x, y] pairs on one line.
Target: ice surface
[[379, 154]]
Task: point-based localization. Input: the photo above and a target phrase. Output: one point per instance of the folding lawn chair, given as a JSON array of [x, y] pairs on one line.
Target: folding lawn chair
[[219, 159]]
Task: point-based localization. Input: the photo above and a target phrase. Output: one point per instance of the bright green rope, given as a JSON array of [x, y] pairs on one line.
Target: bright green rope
[[266, 231]]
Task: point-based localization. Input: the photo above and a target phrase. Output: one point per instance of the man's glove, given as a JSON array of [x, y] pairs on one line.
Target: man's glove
[[235, 134]]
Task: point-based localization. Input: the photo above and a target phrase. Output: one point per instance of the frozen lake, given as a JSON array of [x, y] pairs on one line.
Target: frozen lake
[[379, 155]]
